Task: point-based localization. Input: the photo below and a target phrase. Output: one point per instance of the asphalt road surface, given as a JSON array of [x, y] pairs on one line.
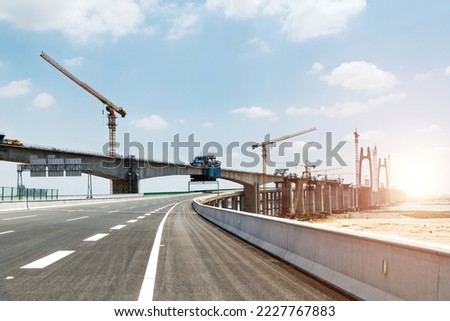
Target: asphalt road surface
[[101, 252]]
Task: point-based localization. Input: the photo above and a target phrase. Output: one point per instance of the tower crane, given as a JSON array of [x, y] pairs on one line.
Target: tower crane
[[110, 107], [263, 146]]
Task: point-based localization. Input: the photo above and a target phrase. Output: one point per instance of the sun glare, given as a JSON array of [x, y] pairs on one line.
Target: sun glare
[[416, 178]]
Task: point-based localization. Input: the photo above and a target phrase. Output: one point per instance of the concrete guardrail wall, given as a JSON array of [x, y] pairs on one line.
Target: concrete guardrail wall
[[368, 266]]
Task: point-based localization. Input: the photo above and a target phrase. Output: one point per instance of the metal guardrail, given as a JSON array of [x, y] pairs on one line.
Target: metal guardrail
[[12, 194]]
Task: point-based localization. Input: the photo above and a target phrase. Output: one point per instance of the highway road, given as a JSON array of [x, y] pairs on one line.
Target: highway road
[[113, 251]]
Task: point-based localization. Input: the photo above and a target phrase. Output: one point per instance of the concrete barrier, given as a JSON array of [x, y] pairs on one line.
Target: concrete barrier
[[368, 266]]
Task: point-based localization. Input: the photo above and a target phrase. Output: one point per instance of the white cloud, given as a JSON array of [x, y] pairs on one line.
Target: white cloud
[[300, 20], [346, 109], [361, 76], [73, 62], [315, 69], [80, 20], [315, 18], [429, 129], [447, 71], [236, 8], [423, 75], [208, 124], [16, 88], [261, 45], [182, 25], [43, 100], [255, 112], [153, 122]]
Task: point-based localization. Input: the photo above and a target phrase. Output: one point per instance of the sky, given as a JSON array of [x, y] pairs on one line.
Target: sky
[[230, 72]]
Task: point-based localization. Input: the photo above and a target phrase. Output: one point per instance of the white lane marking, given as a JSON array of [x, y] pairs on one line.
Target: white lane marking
[[140, 217], [148, 214], [132, 221], [79, 210], [117, 227], [132, 207], [7, 232], [77, 218], [115, 211], [47, 260], [96, 237], [148, 285], [17, 218]]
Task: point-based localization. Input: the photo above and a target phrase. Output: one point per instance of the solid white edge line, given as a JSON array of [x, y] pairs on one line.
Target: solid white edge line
[[7, 232], [96, 237], [47, 260], [148, 284]]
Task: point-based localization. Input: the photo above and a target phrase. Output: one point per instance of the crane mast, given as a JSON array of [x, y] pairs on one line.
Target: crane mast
[[110, 107], [263, 146]]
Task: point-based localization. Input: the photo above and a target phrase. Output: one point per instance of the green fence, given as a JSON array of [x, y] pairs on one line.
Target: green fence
[[10, 194]]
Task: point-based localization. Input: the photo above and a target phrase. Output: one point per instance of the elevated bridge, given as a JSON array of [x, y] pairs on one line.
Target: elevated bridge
[[125, 172]]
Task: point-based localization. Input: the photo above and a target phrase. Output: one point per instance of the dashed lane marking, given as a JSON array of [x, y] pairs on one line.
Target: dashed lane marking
[[96, 237], [17, 218], [114, 211], [117, 227], [140, 217], [77, 218], [7, 232], [132, 221], [47, 260]]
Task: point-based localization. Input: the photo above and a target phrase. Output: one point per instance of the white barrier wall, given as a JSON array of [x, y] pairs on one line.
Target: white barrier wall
[[370, 267]]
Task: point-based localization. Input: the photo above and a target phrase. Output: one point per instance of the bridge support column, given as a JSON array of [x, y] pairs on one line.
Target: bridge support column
[[319, 197], [299, 198], [119, 186], [334, 197], [286, 195], [347, 198], [340, 198], [251, 199], [309, 199], [327, 198]]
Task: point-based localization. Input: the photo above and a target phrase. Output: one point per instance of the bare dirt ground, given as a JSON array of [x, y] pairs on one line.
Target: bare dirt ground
[[428, 226]]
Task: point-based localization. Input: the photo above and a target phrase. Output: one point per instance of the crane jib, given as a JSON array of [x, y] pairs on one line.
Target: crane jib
[[83, 85]]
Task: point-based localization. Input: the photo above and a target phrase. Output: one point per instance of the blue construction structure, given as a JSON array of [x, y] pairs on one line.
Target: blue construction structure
[[211, 169]]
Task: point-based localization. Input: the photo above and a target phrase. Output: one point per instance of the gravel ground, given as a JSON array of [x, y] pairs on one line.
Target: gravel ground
[[428, 226]]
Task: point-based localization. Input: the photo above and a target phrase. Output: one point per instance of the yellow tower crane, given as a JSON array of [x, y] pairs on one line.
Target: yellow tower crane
[[111, 108], [263, 146]]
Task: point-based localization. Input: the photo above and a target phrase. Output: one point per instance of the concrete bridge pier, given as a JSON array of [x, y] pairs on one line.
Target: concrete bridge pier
[[318, 197], [348, 197], [334, 197], [235, 202], [251, 199], [299, 198], [310, 205], [286, 195], [340, 198], [327, 199]]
